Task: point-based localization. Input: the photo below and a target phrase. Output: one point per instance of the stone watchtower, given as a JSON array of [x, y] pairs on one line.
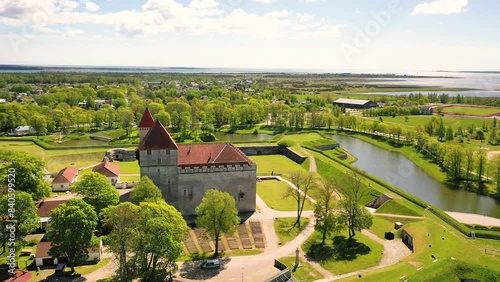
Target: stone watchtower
[[158, 159], [146, 123]]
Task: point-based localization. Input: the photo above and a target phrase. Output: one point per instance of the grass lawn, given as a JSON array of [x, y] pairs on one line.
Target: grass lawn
[[471, 110], [305, 271], [341, 255], [130, 178], [128, 167], [398, 207], [56, 160], [285, 230], [471, 260], [293, 139], [273, 193], [278, 164], [383, 224]]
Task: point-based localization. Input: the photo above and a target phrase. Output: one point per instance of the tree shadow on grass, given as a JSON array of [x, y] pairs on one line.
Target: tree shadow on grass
[[342, 249]]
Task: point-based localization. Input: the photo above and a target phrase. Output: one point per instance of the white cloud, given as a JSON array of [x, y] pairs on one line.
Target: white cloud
[[265, 1], [443, 7], [91, 7], [313, 1], [304, 18], [166, 16]]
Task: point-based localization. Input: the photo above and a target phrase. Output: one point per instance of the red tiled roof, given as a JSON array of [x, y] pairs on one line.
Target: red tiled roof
[[147, 119], [66, 175], [42, 250], [107, 169], [157, 138], [44, 208], [211, 155]]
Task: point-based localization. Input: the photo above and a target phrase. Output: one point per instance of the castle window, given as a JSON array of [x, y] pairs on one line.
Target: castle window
[[159, 160], [185, 192], [62, 186], [167, 152], [149, 152]]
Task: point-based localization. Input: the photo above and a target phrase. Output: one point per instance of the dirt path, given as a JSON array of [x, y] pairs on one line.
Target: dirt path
[[312, 160], [470, 218]]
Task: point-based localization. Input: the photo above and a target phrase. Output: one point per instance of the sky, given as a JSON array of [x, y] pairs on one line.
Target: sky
[[377, 35]]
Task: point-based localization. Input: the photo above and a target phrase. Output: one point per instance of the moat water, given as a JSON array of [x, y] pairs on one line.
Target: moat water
[[399, 171]]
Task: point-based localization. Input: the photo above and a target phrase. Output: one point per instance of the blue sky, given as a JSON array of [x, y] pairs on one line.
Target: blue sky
[[376, 35]]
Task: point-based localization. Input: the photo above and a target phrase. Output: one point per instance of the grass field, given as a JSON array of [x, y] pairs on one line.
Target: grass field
[[273, 193], [431, 236], [286, 231], [340, 255], [413, 121], [398, 207], [57, 159], [305, 271], [382, 224], [278, 164], [477, 111]]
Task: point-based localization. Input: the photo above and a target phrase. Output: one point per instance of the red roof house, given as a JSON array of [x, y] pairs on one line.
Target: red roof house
[[108, 169], [64, 179]]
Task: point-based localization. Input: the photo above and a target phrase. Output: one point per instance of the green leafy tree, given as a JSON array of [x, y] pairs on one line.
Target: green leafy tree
[[469, 164], [96, 191], [39, 123], [146, 191], [304, 182], [356, 216], [327, 221], [71, 230], [123, 220], [28, 171], [481, 166], [126, 119], [453, 163], [159, 242], [24, 211], [449, 134], [217, 213], [440, 132]]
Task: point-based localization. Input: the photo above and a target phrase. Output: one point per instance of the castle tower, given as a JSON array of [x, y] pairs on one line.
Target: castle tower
[[158, 159], [146, 123]]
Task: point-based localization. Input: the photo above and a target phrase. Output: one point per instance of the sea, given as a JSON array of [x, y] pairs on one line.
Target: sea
[[476, 83]]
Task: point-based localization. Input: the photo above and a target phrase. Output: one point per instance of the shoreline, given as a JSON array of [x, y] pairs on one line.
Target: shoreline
[[472, 218]]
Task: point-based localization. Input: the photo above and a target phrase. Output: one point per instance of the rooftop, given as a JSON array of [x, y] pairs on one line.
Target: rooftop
[[66, 175], [351, 101], [147, 119], [44, 208], [211, 154], [107, 169], [157, 138]]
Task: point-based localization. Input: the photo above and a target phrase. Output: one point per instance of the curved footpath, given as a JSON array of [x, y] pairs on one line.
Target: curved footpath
[[472, 218]]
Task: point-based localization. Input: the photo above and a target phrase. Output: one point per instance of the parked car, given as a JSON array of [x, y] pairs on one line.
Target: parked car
[[210, 263], [60, 269]]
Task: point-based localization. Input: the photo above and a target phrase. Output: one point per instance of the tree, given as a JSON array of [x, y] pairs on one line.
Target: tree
[[454, 158], [440, 132], [28, 171], [126, 119], [469, 164], [217, 213], [123, 220], [449, 134], [71, 230], [327, 221], [304, 183], [481, 165], [493, 138], [164, 118], [96, 191], [496, 172], [146, 191], [39, 123], [159, 242], [24, 212], [356, 216]]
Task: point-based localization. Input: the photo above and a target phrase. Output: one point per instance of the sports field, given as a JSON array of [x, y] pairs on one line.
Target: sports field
[[471, 111]]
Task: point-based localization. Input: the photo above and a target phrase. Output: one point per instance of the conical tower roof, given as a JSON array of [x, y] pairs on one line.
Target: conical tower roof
[[147, 119], [157, 138]]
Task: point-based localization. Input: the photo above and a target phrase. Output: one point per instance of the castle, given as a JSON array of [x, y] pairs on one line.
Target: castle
[[185, 172]]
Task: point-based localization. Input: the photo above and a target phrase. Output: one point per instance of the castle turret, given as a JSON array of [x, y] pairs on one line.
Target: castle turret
[[146, 123], [158, 159]]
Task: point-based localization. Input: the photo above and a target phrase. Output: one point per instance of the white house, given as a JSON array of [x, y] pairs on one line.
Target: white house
[[64, 179], [44, 209], [23, 130], [42, 257], [108, 169]]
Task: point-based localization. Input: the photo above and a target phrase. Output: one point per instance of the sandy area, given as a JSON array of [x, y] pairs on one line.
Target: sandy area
[[470, 218]]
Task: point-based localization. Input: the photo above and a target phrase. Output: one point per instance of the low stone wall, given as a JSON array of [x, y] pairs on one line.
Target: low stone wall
[[260, 150], [102, 138], [327, 147], [294, 156], [122, 155]]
